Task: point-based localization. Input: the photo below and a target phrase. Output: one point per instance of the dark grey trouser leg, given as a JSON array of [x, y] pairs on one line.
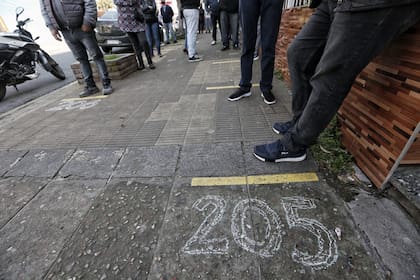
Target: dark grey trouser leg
[[224, 27], [304, 53], [270, 22], [353, 41], [137, 46], [249, 13], [80, 54]]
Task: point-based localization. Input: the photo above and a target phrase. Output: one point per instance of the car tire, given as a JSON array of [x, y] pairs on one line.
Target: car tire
[[107, 49]]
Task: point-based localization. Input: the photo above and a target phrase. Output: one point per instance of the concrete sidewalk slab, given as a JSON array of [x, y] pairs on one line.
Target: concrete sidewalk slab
[[179, 194]]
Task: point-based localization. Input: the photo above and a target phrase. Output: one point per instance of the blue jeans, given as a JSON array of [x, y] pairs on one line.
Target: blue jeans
[[153, 37], [81, 43], [169, 31], [229, 27], [270, 13], [326, 56]]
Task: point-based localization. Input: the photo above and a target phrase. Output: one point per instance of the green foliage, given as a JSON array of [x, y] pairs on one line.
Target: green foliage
[[329, 153], [110, 56]]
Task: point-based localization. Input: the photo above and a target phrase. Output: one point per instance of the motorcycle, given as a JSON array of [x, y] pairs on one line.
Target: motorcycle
[[19, 54]]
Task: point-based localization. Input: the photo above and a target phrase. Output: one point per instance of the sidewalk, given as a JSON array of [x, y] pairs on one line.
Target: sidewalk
[[158, 181]]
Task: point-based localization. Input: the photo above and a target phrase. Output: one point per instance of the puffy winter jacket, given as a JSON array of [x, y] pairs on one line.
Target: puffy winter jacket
[[364, 5], [69, 14]]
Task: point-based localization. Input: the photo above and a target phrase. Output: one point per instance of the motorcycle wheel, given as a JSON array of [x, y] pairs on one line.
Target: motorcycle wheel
[[2, 91], [52, 66]]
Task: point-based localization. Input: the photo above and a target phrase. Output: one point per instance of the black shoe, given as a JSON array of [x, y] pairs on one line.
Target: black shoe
[[236, 46], [88, 91], [175, 41], [268, 97], [277, 152], [185, 51], [152, 66], [239, 94], [194, 58], [107, 89], [225, 48], [282, 127]]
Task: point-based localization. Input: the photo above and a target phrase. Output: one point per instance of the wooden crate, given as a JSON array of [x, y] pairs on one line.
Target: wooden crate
[[382, 110]]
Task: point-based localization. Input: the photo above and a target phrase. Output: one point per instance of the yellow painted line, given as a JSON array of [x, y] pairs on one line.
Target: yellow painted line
[[218, 181], [282, 178], [255, 180], [228, 87], [227, 61], [85, 98]]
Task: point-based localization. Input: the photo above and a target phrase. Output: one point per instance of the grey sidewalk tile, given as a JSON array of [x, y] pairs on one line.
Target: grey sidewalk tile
[[391, 232], [15, 193], [8, 159], [117, 237], [256, 167], [196, 240], [223, 159], [33, 239], [40, 163], [310, 248], [92, 163], [157, 161]]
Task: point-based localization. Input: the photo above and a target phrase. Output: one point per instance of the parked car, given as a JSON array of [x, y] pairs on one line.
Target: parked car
[[108, 32]]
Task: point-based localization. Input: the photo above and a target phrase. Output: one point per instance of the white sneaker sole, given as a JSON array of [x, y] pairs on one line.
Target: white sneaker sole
[[248, 94], [294, 159], [268, 102]]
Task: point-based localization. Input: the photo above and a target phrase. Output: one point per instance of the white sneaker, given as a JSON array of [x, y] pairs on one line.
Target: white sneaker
[[213, 43]]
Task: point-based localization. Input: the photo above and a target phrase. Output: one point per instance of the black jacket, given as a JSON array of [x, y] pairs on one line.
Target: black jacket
[[167, 13], [190, 4], [364, 5], [230, 6]]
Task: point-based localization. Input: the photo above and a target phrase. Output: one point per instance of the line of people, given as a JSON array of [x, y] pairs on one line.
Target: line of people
[[338, 41]]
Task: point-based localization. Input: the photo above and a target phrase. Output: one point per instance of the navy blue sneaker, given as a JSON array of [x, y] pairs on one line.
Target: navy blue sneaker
[[276, 152], [282, 127]]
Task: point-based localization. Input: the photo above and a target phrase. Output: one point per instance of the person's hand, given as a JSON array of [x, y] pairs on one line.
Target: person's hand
[[56, 34], [86, 28]]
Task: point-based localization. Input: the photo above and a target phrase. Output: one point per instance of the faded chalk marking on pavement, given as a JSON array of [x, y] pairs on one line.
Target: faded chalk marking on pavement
[[228, 87], [254, 180], [226, 61], [85, 98]]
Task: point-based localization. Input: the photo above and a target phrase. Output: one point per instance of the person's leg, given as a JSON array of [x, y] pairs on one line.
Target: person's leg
[[191, 17], [166, 33], [224, 28], [354, 39], [156, 36], [270, 23], [258, 40], [233, 21], [141, 36], [88, 39], [172, 32], [303, 55], [80, 54], [214, 18], [137, 48], [250, 12], [149, 36]]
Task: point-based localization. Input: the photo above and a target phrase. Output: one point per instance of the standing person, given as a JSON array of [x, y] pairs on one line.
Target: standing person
[[207, 21], [229, 10], [324, 59], [212, 6], [135, 29], [152, 24], [190, 12], [201, 19], [167, 14], [269, 12], [76, 21]]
